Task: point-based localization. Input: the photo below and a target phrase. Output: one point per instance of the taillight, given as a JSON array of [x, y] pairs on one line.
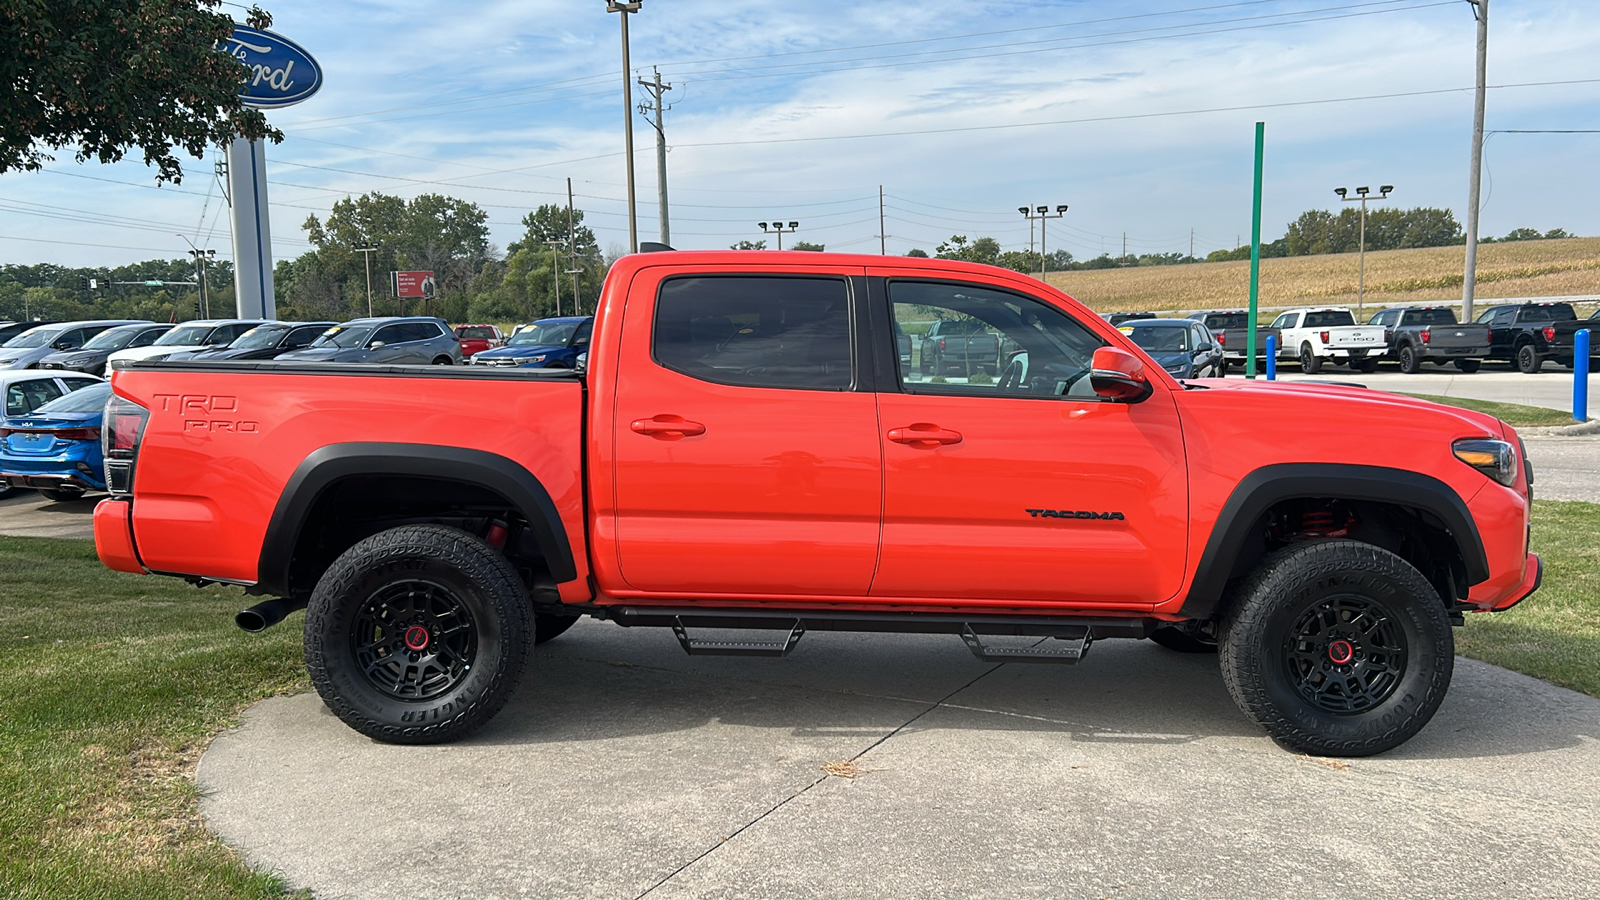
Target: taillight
[[1549, 332], [1426, 333], [941, 343], [121, 430], [1324, 337], [77, 434], [1222, 339]]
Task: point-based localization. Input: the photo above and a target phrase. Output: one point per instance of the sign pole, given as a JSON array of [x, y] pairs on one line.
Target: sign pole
[[1255, 256], [252, 230]]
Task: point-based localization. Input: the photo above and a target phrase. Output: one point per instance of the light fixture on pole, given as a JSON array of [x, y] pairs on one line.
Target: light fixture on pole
[[778, 229], [618, 6], [1042, 213], [1361, 195], [201, 258], [367, 253]]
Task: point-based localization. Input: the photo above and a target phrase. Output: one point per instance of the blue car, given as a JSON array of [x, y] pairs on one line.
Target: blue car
[[545, 344], [56, 448]]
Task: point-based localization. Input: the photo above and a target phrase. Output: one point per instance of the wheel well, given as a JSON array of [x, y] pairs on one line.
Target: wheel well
[[359, 506], [1414, 535]]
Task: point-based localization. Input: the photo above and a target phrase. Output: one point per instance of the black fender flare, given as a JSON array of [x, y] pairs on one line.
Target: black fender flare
[[1268, 485], [325, 467]]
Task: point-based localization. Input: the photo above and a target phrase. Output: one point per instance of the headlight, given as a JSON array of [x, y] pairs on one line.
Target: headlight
[[534, 359], [1496, 459]]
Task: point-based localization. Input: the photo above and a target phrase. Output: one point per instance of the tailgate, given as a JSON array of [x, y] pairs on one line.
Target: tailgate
[[223, 441], [1458, 337], [1356, 336]]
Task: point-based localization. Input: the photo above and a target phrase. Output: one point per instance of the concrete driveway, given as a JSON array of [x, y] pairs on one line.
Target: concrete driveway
[[625, 769], [29, 514]]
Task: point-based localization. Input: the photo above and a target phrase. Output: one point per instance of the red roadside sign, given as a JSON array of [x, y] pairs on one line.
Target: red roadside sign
[[411, 285]]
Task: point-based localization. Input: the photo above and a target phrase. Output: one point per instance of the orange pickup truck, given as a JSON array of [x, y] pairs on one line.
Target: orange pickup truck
[[749, 449]]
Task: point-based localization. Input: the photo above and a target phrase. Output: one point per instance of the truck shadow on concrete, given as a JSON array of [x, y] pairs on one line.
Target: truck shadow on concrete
[[600, 682]]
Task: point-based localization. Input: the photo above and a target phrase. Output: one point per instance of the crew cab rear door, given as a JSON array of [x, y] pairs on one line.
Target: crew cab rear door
[[1026, 487], [745, 435]]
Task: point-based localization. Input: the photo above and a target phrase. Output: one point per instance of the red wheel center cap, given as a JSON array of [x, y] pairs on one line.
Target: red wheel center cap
[[416, 637], [1341, 652]]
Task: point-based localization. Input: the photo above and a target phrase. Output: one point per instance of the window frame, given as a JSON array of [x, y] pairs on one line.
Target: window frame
[[859, 380]]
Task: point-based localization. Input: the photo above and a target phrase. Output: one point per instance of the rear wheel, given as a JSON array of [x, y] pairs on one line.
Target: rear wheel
[[1529, 362], [1337, 648], [1409, 362], [444, 361], [417, 635], [1309, 363], [1469, 365]]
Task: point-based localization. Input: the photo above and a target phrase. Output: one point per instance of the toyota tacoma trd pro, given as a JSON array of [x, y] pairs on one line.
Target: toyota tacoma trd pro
[[748, 449]]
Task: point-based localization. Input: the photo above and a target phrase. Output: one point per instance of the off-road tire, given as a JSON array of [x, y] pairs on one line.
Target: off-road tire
[[1263, 637], [1309, 363], [1410, 363], [489, 597], [549, 626], [1529, 362], [1183, 640], [1469, 365]]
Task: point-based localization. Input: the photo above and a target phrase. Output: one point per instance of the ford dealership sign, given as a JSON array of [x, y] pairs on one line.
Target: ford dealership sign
[[281, 72]]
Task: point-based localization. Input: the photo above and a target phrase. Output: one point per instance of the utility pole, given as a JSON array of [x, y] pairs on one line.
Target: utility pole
[[572, 250], [555, 269], [619, 6], [1361, 279], [201, 257], [657, 90], [1191, 243], [777, 229], [1124, 246], [367, 252], [883, 239], [1469, 278], [1043, 213]]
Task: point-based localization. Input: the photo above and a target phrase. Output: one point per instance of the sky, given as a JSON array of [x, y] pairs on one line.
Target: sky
[[1138, 115]]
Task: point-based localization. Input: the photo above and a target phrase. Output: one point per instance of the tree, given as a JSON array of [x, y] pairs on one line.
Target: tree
[[749, 245], [807, 245], [914, 253], [982, 250], [107, 76]]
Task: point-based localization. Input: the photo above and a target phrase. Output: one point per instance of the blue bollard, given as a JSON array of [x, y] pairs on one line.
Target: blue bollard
[[1272, 357], [1580, 375]]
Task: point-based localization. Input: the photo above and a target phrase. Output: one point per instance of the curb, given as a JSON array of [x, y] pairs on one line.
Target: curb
[[1577, 430]]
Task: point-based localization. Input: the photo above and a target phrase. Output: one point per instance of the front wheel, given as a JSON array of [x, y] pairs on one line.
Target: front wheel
[[1529, 362], [444, 361], [1309, 363], [1337, 648], [417, 635]]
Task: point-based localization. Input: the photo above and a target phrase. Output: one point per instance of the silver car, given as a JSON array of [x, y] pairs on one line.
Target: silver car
[[388, 340], [26, 349]]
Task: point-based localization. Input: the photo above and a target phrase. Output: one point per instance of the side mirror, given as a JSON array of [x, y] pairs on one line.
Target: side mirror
[[375, 345], [1118, 375], [1205, 348], [65, 345]]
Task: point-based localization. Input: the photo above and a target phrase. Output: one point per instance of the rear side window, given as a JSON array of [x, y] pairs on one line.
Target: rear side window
[[302, 337], [26, 396], [421, 331], [756, 331], [1329, 319], [146, 338], [390, 334], [581, 339]]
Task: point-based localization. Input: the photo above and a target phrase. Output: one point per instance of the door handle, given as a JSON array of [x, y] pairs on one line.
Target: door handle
[[923, 434], [668, 427]]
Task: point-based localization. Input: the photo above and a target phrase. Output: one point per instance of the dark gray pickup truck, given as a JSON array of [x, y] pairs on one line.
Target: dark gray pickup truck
[[1231, 327], [960, 346], [1420, 334]]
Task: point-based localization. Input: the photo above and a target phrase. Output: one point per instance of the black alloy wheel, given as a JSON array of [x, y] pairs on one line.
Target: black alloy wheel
[[1309, 363], [444, 361], [1529, 362], [1337, 648], [418, 634], [1409, 363]]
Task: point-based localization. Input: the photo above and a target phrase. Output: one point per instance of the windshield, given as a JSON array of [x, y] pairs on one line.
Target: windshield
[[185, 336], [1228, 320], [341, 336], [259, 338], [1332, 319], [1159, 338], [34, 337], [89, 399], [544, 334], [114, 338]]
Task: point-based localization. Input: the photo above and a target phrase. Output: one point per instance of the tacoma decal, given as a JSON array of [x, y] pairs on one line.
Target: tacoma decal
[[1073, 514]]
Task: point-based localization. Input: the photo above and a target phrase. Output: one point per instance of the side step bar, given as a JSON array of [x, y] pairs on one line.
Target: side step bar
[[1076, 648], [702, 647]]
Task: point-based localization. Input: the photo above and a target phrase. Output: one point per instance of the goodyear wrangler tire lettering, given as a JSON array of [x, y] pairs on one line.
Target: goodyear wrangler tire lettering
[[417, 635], [1337, 648]]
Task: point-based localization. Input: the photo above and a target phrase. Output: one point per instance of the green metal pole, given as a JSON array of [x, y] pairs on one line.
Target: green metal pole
[[1255, 256]]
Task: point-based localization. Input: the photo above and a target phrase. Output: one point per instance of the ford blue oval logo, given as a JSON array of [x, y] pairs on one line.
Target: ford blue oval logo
[[280, 72]]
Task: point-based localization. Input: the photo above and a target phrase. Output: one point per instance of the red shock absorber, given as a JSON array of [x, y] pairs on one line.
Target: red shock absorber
[[1322, 523], [496, 535]]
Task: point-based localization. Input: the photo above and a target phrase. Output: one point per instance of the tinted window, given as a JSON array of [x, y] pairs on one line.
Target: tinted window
[[147, 337], [581, 339], [469, 333], [1329, 319], [420, 331], [303, 336], [1555, 312], [1430, 317], [227, 333], [1228, 320], [72, 339], [77, 384], [756, 331], [24, 397], [1017, 346], [389, 334]]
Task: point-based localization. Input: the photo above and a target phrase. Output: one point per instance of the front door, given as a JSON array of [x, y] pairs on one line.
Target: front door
[[1025, 487], [747, 458]]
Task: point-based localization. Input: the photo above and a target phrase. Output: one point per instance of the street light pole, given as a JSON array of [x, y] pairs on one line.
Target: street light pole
[[657, 91], [366, 253], [200, 259], [1041, 215], [1361, 279], [778, 229], [555, 269], [618, 6]]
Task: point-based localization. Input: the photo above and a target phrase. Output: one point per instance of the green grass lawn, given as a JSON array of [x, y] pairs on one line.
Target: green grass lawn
[[116, 683], [1513, 414]]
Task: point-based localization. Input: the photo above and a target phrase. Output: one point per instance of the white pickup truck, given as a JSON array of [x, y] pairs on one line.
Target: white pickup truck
[[1316, 335]]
